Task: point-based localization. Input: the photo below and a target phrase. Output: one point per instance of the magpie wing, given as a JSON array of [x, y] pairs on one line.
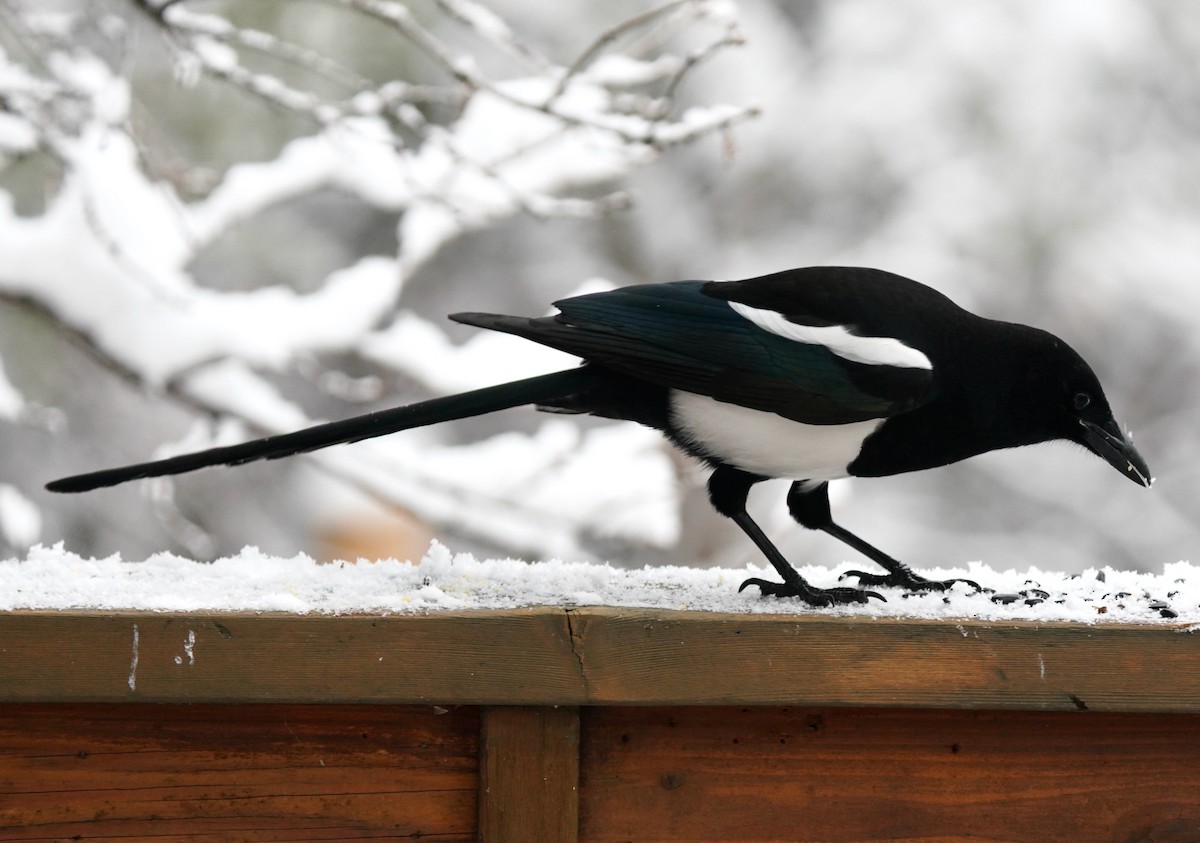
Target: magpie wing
[[677, 336]]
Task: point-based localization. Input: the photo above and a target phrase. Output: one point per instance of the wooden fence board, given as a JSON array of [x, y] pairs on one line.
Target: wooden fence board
[[700, 658], [893, 729], [596, 656], [771, 775], [605, 656], [221, 772], [529, 775], [514, 657]]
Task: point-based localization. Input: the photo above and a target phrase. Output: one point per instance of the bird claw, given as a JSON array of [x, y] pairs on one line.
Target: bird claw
[[908, 580], [841, 596]]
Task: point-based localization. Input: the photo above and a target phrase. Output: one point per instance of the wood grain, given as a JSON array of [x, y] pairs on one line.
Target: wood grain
[[770, 775], [698, 658], [225, 773], [174, 773], [529, 775], [518, 656], [596, 656]]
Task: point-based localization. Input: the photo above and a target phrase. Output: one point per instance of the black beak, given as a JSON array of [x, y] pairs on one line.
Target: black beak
[[1108, 442]]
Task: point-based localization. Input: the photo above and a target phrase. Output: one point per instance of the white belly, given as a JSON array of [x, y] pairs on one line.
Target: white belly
[[767, 444]]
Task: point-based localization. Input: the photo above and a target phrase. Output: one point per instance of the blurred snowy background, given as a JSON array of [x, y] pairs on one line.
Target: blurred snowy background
[[223, 219]]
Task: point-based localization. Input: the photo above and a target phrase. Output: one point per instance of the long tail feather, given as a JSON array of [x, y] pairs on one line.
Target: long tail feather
[[474, 403]]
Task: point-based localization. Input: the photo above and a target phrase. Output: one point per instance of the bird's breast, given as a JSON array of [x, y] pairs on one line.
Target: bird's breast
[[765, 443]]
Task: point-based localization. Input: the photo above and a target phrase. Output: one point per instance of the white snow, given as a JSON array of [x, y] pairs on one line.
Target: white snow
[[12, 403], [52, 578], [136, 300], [20, 519], [16, 135], [627, 72], [419, 348]]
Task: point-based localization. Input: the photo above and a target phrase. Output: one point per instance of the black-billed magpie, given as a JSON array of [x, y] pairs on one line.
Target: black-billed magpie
[[809, 374]]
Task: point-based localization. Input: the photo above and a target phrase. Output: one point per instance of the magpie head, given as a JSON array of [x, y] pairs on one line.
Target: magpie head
[[1071, 392]]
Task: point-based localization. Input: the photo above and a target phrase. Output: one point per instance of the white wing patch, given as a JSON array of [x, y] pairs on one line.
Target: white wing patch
[[875, 351]]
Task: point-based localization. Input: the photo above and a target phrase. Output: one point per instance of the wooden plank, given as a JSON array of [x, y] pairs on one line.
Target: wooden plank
[[219, 773], [519, 656], [529, 771], [698, 658], [755, 775], [605, 656]]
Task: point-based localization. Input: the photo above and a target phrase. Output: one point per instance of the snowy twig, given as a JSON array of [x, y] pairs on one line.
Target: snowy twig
[[492, 27], [220, 29], [606, 38], [77, 337], [398, 17], [733, 38]]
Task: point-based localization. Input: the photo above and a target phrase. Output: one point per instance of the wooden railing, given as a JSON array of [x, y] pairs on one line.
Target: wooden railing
[[594, 724]]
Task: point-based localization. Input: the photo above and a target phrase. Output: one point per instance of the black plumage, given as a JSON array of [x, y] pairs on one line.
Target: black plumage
[[810, 374]]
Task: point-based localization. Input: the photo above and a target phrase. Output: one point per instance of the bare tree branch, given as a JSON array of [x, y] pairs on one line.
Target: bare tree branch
[[455, 151], [609, 36]]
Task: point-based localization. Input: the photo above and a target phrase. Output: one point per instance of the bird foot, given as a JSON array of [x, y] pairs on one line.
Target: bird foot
[[907, 579], [841, 596]]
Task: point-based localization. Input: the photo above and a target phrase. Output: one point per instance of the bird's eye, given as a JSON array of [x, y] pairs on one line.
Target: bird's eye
[[1082, 400]]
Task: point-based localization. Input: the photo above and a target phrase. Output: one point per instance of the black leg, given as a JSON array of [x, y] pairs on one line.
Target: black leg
[[809, 504], [728, 489]]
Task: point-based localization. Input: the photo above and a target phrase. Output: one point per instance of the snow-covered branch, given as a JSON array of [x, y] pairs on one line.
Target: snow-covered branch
[[111, 256]]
